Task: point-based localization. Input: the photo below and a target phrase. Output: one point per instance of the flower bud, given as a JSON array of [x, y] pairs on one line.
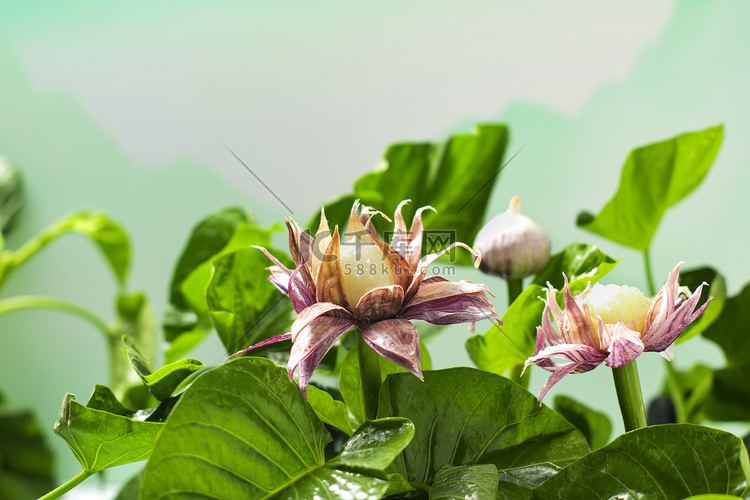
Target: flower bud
[[512, 245]]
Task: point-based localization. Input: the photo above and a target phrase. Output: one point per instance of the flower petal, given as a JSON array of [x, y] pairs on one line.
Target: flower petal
[[396, 340], [272, 340], [380, 303], [312, 343], [577, 326], [582, 358], [307, 315], [409, 242], [421, 269], [300, 248], [298, 292], [328, 284], [623, 344], [448, 302]]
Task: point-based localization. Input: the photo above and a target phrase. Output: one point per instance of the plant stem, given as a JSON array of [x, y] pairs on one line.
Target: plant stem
[[649, 275], [64, 488], [40, 302], [628, 388], [369, 372], [515, 287]]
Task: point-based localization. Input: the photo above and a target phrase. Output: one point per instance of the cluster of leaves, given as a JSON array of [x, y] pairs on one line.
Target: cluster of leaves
[[243, 430]]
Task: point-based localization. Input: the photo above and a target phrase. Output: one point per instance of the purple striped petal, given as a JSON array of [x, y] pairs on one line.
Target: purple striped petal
[[309, 314], [272, 340], [447, 303], [312, 343], [299, 294], [396, 340], [582, 358], [623, 344]]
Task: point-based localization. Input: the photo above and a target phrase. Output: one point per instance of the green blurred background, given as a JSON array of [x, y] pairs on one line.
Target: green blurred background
[[128, 107]]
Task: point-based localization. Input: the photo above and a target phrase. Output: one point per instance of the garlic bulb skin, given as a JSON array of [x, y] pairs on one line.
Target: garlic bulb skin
[[512, 245]]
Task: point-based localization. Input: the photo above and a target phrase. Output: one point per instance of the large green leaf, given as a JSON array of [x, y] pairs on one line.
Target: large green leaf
[[244, 431], [517, 483], [100, 439], [659, 462], [465, 416], [654, 178], [455, 177], [465, 481], [593, 424], [244, 306], [25, 458]]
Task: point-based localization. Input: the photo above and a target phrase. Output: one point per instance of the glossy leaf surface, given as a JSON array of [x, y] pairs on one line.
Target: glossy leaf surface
[[580, 262], [593, 424], [244, 431], [244, 306], [660, 462], [329, 410], [455, 177], [654, 178], [465, 416], [465, 481], [100, 439]]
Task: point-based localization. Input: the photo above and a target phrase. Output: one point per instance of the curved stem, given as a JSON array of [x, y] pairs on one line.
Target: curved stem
[[41, 302], [64, 488], [649, 275], [369, 372], [628, 388]]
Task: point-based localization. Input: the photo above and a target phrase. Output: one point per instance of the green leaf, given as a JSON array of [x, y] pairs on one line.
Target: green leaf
[[162, 382], [244, 306], [503, 347], [350, 381], [593, 424], [465, 416], [465, 481], [730, 329], [659, 462], [517, 483], [108, 235], [580, 262], [654, 178], [455, 177], [100, 439], [11, 194], [329, 410], [208, 237], [105, 400], [728, 398], [26, 461], [712, 496], [717, 289], [135, 321], [244, 431]]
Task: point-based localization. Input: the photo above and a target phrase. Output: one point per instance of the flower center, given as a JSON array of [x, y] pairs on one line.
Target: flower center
[[618, 303], [363, 267]]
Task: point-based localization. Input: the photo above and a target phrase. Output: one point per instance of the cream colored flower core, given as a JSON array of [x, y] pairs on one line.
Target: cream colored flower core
[[618, 303], [363, 268]]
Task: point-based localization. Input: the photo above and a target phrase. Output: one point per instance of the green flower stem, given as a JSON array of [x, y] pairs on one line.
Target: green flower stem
[[40, 302], [369, 372], [649, 274], [628, 387], [64, 488], [515, 287]]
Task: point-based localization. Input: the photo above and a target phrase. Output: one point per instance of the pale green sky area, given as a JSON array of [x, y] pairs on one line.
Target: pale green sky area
[[92, 109]]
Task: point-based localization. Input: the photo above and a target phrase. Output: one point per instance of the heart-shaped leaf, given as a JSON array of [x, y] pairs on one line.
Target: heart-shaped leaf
[[465, 481], [244, 431], [654, 178], [465, 416], [659, 462], [100, 439]]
